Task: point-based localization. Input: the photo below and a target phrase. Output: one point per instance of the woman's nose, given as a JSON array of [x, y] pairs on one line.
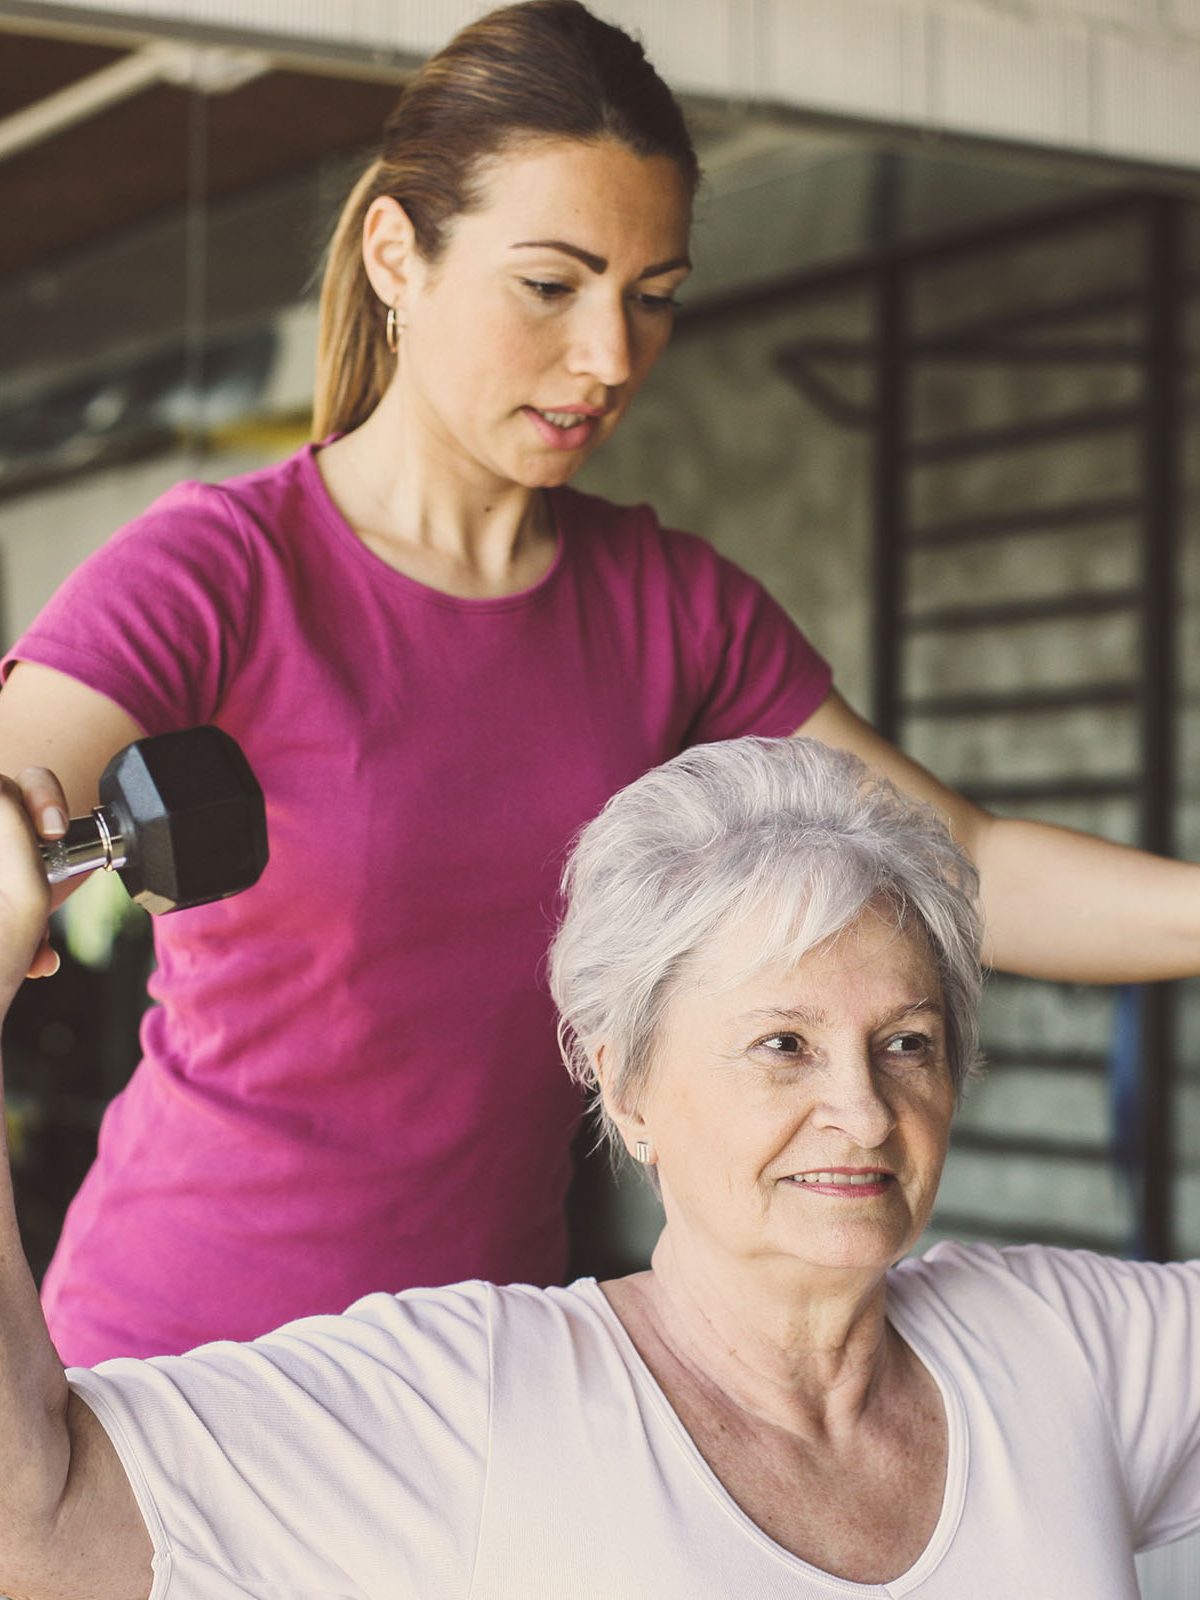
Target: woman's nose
[[851, 1103], [601, 347]]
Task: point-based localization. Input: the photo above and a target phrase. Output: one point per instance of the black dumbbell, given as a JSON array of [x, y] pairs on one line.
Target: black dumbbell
[[181, 819]]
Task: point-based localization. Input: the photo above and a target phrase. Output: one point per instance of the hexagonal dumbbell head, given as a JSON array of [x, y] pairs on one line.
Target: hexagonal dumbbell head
[[191, 817]]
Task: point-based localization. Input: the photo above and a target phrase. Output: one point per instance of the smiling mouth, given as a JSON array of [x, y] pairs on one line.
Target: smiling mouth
[[566, 419], [842, 1180]]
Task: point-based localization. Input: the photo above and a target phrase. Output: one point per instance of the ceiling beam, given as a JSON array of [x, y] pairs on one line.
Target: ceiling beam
[[334, 58], [209, 70]]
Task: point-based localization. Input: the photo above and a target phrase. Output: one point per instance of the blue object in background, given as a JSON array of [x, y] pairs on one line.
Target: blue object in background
[[1125, 1096]]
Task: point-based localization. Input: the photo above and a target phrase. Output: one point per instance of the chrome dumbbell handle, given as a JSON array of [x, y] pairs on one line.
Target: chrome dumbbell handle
[[89, 842]]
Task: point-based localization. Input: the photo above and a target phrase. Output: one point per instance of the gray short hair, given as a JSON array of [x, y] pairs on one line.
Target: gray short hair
[[802, 836]]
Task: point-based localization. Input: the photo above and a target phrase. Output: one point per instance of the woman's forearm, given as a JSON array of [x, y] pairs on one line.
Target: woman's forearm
[[1056, 903], [1066, 905], [69, 1524], [35, 1445]]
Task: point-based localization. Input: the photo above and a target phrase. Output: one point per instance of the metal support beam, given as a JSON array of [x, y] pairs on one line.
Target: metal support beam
[[887, 607], [1160, 456], [209, 71]]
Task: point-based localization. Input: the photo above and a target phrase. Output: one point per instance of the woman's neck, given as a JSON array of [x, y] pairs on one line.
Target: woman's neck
[[416, 511], [806, 1352]]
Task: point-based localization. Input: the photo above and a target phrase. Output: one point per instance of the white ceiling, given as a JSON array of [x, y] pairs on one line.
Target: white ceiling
[[1108, 77]]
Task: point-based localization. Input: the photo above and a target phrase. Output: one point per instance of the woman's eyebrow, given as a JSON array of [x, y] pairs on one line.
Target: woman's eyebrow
[[598, 264], [815, 1017], [934, 1006], [801, 1016]]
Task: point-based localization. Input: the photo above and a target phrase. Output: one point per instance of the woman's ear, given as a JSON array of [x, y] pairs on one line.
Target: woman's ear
[[629, 1121], [390, 253]]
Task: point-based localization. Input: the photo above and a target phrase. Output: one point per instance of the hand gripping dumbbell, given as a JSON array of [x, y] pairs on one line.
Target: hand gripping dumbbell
[[181, 820]]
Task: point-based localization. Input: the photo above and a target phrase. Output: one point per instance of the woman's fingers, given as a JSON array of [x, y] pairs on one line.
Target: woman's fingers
[[44, 801], [45, 961], [24, 892], [45, 805]]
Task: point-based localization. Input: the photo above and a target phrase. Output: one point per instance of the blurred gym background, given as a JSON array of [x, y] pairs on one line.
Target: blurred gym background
[[935, 383]]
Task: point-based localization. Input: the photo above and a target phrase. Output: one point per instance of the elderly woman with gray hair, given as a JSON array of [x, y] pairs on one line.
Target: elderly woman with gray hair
[[768, 972]]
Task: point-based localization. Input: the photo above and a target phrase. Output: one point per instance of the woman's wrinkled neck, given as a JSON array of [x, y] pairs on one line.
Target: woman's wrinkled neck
[[805, 1350]]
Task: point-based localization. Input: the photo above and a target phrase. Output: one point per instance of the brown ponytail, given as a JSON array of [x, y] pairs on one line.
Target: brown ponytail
[[545, 69]]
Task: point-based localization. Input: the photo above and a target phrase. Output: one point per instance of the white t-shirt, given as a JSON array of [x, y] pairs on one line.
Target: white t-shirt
[[509, 1444]]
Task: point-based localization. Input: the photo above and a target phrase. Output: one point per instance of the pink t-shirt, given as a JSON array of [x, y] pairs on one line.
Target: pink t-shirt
[[350, 1079]]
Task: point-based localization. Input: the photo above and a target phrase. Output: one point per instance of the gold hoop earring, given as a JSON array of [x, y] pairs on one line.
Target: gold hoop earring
[[392, 329]]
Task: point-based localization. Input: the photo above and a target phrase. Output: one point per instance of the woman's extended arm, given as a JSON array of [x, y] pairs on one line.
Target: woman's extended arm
[[51, 721], [1057, 904], [69, 1524], [48, 719]]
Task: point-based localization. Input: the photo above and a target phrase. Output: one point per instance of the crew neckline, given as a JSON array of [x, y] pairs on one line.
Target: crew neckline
[[476, 605], [957, 1450]]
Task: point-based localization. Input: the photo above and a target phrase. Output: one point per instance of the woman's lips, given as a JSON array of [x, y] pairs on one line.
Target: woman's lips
[[573, 437], [843, 1183]]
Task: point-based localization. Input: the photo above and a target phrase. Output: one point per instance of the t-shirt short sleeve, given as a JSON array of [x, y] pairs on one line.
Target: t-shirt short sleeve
[[157, 617], [1138, 1324], [759, 673], [337, 1456]]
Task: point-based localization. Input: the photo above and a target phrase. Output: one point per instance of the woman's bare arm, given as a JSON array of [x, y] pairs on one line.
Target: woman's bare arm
[[48, 719], [70, 1528], [1057, 903], [61, 735]]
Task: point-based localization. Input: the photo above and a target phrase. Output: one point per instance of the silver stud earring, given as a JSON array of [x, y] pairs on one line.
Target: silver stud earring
[[641, 1152]]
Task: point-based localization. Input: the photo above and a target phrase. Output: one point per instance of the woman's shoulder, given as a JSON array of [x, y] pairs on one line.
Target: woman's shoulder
[[583, 516], [514, 1341], [951, 1269], [631, 543], [476, 1309], [199, 544], [1097, 1300], [236, 510]]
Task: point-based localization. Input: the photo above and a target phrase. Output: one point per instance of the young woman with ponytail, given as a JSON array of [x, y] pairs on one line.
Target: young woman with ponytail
[[441, 661]]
